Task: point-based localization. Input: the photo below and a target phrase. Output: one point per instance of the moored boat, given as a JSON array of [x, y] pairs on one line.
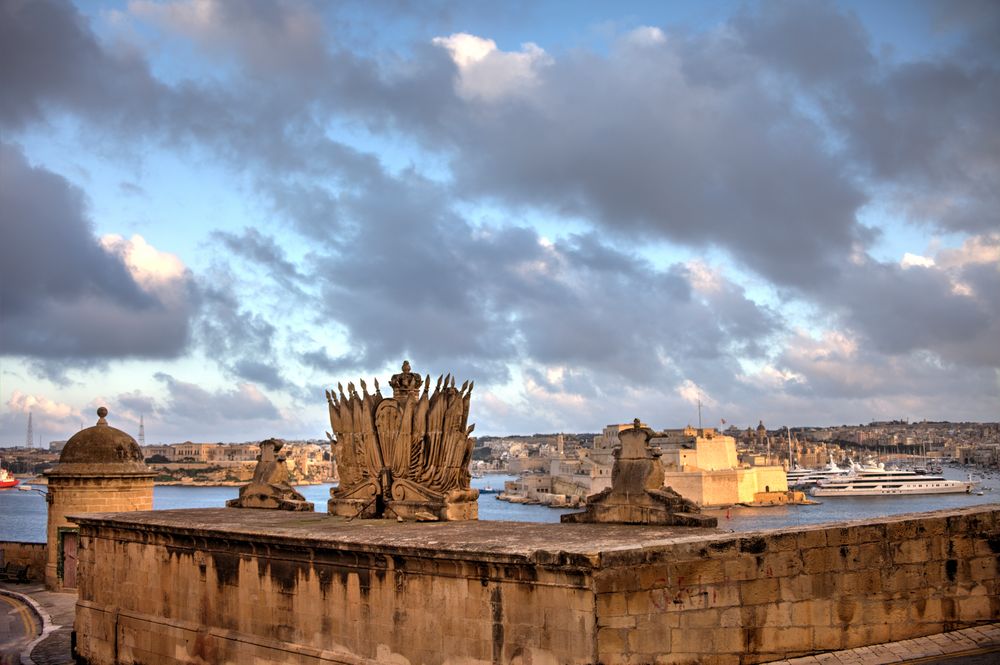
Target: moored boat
[[879, 481], [7, 480], [806, 478]]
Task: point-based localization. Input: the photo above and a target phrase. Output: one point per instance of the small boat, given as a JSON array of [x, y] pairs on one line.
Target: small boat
[[7, 480], [487, 490]]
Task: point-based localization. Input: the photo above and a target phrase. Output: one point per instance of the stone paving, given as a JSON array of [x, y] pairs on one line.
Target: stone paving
[[944, 647], [54, 612]]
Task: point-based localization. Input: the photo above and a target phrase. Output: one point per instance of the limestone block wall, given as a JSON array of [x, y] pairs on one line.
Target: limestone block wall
[[29, 554], [165, 598], [689, 484], [776, 595], [154, 590], [84, 494], [769, 476]]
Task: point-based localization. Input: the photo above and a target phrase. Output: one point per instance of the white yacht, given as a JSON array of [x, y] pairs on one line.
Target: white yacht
[[879, 481], [805, 478]]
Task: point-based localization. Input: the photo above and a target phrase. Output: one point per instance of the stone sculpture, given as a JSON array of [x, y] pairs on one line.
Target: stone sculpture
[[269, 487], [405, 456], [637, 494]]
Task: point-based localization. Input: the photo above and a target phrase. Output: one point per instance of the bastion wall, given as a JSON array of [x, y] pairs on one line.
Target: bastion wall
[[31, 555], [259, 586]]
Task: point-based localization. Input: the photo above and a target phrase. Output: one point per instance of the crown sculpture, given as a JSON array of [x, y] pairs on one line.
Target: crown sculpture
[[405, 456]]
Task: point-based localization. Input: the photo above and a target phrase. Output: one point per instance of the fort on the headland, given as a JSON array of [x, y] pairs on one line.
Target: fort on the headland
[[699, 464], [403, 575]]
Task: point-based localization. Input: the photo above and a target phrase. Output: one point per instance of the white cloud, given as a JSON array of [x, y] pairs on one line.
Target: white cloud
[[704, 278], [39, 405], [488, 74], [915, 260], [646, 36], [692, 393], [975, 249], [151, 268]]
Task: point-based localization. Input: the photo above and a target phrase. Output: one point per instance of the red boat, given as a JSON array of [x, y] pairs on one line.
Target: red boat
[[7, 480]]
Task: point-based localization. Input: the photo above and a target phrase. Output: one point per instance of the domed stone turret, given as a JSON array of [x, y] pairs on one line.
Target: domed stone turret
[[100, 449], [100, 470]]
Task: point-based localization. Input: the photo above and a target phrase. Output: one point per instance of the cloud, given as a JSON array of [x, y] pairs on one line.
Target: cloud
[[754, 145], [65, 293], [924, 130], [239, 339], [264, 252], [50, 417], [489, 74], [644, 144], [190, 403]]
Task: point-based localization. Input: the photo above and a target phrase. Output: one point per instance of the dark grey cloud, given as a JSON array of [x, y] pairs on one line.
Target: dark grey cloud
[[50, 61], [138, 403], [188, 402], [63, 294], [422, 283], [900, 310], [645, 147], [331, 366], [264, 252], [926, 128], [240, 340]]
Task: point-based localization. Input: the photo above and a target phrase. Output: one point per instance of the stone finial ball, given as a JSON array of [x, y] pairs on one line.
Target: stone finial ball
[[101, 412]]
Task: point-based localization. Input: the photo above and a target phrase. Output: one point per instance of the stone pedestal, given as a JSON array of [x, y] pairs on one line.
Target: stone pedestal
[[269, 487], [414, 503], [637, 495]]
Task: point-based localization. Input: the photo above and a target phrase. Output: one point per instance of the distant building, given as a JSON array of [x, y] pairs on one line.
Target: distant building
[[701, 465]]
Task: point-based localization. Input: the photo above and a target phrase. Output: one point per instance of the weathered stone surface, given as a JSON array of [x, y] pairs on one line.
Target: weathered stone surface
[[100, 469], [270, 587], [637, 494], [270, 486], [406, 456]]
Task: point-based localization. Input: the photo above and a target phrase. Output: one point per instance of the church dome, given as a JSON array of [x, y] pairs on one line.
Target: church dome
[[101, 450]]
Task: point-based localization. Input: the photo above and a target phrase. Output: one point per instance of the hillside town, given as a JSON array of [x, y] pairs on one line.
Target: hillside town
[[188, 463], [562, 469]]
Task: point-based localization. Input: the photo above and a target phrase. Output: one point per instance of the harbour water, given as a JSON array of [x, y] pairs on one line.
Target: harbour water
[[23, 513]]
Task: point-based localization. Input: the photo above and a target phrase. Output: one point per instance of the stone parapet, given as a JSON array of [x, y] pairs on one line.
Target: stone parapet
[[232, 586], [31, 555]]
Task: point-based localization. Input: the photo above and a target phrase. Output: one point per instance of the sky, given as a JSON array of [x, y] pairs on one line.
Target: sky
[[213, 211]]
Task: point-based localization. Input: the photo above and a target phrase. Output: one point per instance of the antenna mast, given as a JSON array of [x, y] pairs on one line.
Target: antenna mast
[[699, 413], [142, 431], [31, 433]]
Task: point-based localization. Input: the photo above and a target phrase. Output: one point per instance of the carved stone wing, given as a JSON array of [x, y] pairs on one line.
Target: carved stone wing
[[388, 421]]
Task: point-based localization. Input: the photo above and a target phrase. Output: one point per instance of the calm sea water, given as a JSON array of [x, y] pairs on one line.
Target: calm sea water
[[23, 514]]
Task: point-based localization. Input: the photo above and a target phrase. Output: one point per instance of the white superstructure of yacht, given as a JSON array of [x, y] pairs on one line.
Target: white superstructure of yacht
[[879, 481], [805, 478]]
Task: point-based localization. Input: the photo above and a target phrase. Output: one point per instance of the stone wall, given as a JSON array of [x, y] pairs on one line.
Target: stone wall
[[250, 586], [168, 597], [88, 494], [30, 554], [774, 595]]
